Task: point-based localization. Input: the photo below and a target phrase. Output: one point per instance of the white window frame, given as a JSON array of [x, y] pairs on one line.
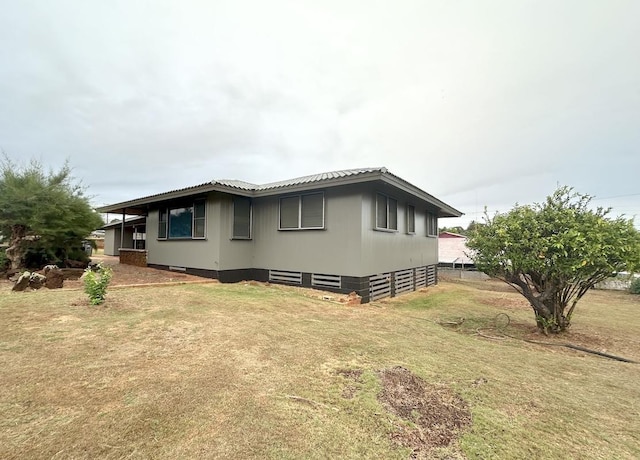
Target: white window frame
[[387, 200], [299, 197], [432, 221], [411, 219]]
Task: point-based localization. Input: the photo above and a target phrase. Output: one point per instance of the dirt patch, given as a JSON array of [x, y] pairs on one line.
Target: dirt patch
[[355, 378], [436, 414]]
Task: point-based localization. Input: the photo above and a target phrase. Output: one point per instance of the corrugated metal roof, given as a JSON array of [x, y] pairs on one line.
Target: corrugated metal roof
[[233, 183], [332, 178], [320, 177]]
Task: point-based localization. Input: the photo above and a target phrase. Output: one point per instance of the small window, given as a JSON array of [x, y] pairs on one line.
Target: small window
[[241, 218], [411, 219], [302, 212], [199, 220], [386, 213], [162, 224], [432, 224]]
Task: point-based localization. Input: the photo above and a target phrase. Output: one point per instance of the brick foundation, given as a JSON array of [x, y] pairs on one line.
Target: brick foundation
[[137, 257]]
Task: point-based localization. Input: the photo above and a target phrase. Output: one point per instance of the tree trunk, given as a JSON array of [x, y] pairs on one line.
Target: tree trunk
[[16, 250], [549, 316]]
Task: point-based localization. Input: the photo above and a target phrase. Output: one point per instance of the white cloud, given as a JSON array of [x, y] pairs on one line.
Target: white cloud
[[476, 102]]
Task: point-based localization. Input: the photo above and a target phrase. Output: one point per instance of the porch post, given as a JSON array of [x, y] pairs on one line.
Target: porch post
[[122, 228]]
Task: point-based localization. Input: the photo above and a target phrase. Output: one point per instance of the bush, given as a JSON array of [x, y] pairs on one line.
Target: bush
[[96, 282], [635, 286]]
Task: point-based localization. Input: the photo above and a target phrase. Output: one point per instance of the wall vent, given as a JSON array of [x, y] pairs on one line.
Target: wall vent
[[379, 286], [421, 277], [280, 276], [332, 281], [431, 275], [404, 281]]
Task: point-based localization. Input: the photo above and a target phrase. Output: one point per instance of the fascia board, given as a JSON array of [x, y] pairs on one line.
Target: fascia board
[[415, 191]]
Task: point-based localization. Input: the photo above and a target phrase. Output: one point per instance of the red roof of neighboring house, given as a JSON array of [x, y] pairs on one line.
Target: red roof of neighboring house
[[450, 235], [452, 249]]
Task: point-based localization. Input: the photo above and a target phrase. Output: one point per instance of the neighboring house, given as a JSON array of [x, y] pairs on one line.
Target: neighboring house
[[363, 230], [453, 251]]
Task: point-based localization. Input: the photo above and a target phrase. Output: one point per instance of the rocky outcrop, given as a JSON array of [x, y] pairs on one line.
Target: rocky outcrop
[[51, 277], [54, 277]]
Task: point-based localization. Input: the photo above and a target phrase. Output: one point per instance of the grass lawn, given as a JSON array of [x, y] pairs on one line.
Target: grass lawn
[[252, 371]]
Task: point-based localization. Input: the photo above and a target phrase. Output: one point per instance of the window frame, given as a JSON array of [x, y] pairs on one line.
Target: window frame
[[166, 212], [299, 198], [432, 221], [411, 219], [233, 218], [163, 223], [388, 214]]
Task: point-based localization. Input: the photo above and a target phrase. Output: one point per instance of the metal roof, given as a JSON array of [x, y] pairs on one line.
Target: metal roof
[[328, 179], [129, 222], [345, 173]]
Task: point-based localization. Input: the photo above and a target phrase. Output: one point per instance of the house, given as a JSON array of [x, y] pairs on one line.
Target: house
[[363, 230], [453, 251]]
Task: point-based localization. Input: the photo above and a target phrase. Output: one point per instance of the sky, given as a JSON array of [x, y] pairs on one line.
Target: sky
[[482, 104]]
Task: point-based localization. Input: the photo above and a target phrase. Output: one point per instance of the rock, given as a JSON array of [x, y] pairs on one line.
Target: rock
[[23, 282], [354, 299], [48, 268], [75, 263], [36, 280], [94, 266], [55, 277]]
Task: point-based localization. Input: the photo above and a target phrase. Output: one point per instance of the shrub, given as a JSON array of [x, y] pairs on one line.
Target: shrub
[[96, 282], [635, 286]]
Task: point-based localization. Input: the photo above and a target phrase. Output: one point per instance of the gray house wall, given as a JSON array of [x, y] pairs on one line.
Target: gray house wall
[[384, 251], [333, 250], [112, 241], [199, 254], [234, 254]]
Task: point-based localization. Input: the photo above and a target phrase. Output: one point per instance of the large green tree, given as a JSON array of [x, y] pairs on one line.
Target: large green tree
[[45, 212], [554, 252]]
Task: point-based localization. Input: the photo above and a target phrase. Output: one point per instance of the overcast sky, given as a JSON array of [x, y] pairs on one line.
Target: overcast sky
[[476, 102]]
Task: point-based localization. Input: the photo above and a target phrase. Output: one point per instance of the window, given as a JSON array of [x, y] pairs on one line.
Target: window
[[187, 222], [432, 224], [162, 224], [411, 219], [302, 212], [199, 219], [386, 213], [241, 218]]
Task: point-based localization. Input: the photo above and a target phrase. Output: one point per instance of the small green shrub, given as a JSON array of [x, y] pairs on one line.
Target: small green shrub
[[96, 282], [635, 286]]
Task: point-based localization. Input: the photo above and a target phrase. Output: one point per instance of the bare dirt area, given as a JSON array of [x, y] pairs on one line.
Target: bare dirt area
[[437, 414], [125, 275]]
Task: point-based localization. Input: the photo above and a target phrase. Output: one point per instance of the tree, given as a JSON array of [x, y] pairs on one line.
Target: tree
[[42, 212], [553, 253]]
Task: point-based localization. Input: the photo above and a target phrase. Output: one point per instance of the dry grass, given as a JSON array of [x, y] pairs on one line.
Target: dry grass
[[253, 371]]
